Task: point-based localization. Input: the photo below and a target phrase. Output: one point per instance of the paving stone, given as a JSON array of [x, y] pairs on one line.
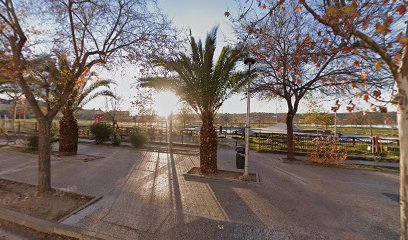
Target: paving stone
[[146, 196]]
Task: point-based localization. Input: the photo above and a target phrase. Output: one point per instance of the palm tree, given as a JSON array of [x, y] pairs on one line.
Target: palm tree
[[204, 85], [83, 93], [54, 83]]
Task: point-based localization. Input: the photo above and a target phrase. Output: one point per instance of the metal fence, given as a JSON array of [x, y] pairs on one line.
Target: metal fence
[[155, 133], [354, 146], [20, 125]]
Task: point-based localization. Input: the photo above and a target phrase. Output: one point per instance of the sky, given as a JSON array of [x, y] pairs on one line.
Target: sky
[[200, 16]]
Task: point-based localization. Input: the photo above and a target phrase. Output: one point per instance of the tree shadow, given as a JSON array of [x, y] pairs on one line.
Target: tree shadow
[[206, 208]]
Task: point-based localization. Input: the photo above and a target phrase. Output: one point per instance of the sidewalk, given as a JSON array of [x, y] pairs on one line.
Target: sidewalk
[[146, 196], [157, 202]]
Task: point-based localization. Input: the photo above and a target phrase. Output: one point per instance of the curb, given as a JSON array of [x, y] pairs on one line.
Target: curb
[[163, 148], [346, 163], [79, 209], [45, 226], [374, 165], [257, 178]]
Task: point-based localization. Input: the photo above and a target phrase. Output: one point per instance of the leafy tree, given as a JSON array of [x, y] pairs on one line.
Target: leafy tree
[[7, 85], [14, 93], [204, 84], [91, 32], [315, 114], [319, 118], [291, 60], [377, 30]]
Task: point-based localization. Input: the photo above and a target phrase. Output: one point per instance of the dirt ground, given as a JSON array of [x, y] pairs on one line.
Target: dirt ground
[[13, 231], [23, 198]]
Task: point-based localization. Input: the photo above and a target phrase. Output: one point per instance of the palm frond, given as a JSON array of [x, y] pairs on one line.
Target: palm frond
[[87, 90], [159, 83], [87, 99], [198, 80]]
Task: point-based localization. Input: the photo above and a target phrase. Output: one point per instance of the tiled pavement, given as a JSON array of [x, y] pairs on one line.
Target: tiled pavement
[[146, 196], [157, 201]]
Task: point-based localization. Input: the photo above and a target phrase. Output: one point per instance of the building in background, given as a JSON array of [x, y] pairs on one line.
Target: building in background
[[122, 116]]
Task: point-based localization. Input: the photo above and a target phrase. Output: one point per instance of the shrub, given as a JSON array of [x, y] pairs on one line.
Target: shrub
[[101, 132], [32, 143], [326, 151], [137, 139], [116, 139]]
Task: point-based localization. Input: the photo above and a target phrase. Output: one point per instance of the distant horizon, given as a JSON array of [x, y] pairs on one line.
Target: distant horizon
[[299, 113]]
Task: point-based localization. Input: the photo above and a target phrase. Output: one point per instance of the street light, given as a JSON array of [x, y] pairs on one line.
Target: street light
[[248, 61], [335, 108]]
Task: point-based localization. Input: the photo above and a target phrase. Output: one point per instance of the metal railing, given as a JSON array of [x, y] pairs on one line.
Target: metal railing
[[355, 146]]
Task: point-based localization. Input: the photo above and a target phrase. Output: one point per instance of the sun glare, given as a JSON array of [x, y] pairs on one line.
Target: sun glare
[[165, 103]]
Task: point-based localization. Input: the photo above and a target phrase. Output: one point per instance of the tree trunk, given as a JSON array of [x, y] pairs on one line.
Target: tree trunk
[[68, 141], [290, 137], [208, 147], [44, 159], [402, 81]]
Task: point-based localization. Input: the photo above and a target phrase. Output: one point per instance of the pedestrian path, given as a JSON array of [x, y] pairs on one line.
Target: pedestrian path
[[154, 200], [145, 195]]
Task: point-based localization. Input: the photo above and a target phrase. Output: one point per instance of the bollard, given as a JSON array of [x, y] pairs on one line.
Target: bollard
[[375, 141]]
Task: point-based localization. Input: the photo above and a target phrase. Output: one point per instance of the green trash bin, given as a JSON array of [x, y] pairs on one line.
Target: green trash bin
[[240, 157]]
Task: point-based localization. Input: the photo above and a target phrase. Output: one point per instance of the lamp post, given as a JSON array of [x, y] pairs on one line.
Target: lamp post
[[335, 108], [248, 61], [170, 131], [335, 123]]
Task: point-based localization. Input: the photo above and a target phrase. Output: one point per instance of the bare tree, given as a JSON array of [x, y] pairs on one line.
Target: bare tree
[[374, 29], [90, 32], [379, 28], [185, 114], [291, 60], [142, 103], [112, 106]]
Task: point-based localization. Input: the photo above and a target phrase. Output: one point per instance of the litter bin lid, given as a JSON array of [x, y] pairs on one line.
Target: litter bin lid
[[240, 149]]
